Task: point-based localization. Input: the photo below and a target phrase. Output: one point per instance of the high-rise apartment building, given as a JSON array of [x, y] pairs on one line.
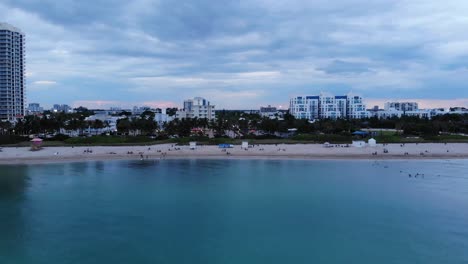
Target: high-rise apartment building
[[327, 106], [356, 108], [197, 107], [304, 107], [12, 72]]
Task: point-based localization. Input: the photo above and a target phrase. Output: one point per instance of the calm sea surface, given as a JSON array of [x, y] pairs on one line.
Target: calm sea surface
[[235, 211]]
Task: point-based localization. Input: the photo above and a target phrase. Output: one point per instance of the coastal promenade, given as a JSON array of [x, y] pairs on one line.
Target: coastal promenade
[[23, 155]]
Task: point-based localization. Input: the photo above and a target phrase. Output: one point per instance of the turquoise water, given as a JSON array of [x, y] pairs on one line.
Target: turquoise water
[[235, 211]]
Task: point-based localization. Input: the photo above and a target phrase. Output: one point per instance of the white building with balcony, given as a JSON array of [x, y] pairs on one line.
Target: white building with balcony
[[304, 107], [197, 107], [12, 73], [356, 108], [327, 106]]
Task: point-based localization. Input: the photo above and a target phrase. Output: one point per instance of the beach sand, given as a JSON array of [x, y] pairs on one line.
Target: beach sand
[[23, 155]]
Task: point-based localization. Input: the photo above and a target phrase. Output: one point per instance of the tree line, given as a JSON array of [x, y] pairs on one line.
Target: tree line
[[237, 121]]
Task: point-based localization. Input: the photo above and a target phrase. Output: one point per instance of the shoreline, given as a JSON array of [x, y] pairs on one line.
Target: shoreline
[[421, 151], [245, 157]]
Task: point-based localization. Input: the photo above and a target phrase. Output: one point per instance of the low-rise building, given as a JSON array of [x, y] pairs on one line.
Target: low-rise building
[[109, 123], [271, 112], [401, 106], [62, 108], [161, 118], [138, 110], [421, 113], [267, 110], [34, 109], [458, 110]]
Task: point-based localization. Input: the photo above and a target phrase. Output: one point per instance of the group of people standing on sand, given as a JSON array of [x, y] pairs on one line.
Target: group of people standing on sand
[[143, 156], [416, 175]]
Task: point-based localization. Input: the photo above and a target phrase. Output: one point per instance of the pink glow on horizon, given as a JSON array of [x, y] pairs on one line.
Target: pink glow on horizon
[[160, 104], [95, 103]]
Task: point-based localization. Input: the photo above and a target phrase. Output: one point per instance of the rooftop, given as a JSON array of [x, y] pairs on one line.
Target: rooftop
[[6, 26]]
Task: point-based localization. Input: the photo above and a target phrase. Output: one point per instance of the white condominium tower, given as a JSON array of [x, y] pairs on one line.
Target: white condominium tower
[[304, 107], [12, 72], [328, 106], [356, 108], [197, 107]]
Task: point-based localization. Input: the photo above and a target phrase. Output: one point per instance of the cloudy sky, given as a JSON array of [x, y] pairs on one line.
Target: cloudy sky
[[242, 54]]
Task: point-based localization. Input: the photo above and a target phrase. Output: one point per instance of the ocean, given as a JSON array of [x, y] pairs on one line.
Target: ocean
[[235, 211]]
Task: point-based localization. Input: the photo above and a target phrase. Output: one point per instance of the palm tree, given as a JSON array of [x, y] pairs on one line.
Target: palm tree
[[5, 127], [97, 124]]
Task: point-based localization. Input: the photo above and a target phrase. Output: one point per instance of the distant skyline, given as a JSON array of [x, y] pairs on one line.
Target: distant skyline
[[423, 104], [241, 55]]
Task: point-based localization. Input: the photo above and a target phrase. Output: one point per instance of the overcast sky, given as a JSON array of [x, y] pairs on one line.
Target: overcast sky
[[241, 54]]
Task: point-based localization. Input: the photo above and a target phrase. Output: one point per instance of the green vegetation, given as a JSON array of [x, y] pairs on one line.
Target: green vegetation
[[447, 138], [12, 139], [143, 129]]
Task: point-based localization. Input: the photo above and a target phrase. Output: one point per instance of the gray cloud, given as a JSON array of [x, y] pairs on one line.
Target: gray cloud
[[113, 50]]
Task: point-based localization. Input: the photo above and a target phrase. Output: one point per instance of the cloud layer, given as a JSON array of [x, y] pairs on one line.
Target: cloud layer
[[241, 54]]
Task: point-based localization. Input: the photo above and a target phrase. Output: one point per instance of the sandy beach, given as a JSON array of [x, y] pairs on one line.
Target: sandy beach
[[23, 155]]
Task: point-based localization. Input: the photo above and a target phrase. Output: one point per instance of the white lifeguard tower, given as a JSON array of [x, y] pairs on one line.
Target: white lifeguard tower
[[372, 142], [245, 145], [193, 145], [36, 144]]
